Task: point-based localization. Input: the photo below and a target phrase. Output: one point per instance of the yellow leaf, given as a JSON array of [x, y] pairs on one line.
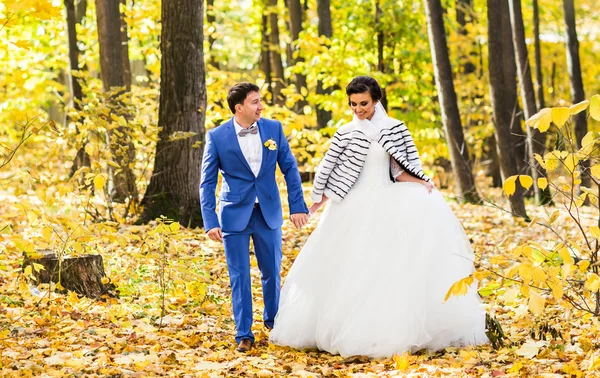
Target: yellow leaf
[[38, 267], [595, 107], [59, 286], [542, 183], [174, 227], [105, 280], [460, 287], [595, 231], [99, 182], [402, 362], [571, 162], [536, 303], [594, 363], [588, 139], [526, 181], [541, 120], [551, 160], [540, 160], [553, 216], [581, 198], [583, 265], [592, 283], [557, 290], [579, 107], [596, 171], [23, 44], [47, 234], [28, 271], [509, 185], [560, 115], [78, 247], [113, 164], [565, 255]]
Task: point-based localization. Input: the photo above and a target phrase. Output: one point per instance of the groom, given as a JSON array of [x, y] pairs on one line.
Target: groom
[[246, 150]]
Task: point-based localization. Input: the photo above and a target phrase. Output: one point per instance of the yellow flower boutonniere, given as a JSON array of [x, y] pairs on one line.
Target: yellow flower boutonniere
[[271, 145]]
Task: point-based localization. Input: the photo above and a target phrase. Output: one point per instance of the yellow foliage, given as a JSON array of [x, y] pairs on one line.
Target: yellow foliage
[[579, 107], [536, 303], [542, 183], [526, 181], [595, 107], [460, 287], [509, 185], [541, 120], [560, 115]]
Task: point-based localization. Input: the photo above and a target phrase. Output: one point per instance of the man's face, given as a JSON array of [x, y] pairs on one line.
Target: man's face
[[249, 111]]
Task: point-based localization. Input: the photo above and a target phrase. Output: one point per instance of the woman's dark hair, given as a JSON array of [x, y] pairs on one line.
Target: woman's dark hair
[[238, 93], [362, 84]]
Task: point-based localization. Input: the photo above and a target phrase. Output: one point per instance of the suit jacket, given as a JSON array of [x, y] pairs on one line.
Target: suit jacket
[[240, 187]]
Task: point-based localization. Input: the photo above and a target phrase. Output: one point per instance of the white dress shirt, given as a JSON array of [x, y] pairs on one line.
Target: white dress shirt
[[251, 146]]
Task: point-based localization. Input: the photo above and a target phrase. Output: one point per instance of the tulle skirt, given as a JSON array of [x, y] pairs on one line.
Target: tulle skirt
[[372, 277]]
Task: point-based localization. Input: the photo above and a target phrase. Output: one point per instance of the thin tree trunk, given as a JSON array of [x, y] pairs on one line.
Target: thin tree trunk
[[296, 16], [464, 14], [380, 47], [125, 47], [275, 49], [325, 29], [536, 141], [173, 188], [82, 159], [459, 155], [574, 67], [509, 67], [122, 183], [265, 57], [502, 111], [211, 20], [538, 56]]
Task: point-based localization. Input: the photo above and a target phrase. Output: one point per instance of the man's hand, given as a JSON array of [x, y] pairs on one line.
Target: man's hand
[[299, 219], [215, 234]]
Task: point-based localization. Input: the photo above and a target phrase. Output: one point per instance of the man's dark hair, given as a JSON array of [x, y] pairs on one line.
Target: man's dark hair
[[362, 84], [238, 93]]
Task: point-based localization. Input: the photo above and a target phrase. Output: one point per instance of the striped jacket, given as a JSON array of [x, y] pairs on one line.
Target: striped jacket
[[347, 154]]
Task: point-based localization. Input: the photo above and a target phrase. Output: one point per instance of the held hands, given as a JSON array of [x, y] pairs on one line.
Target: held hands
[[299, 219], [215, 234]]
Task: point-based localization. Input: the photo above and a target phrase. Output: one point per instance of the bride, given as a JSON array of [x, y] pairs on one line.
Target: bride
[[372, 277]]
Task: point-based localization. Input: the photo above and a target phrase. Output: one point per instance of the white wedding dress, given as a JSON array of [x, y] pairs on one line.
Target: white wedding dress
[[372, 277]]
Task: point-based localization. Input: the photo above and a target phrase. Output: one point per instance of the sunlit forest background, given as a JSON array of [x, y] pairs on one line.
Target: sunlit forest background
[[104, 106]]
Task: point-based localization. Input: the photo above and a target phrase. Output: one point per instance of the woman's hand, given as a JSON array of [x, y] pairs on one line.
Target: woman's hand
[[429, 186], [317, 205]]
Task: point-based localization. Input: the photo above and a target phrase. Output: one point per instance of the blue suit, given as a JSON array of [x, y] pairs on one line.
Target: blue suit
[[239, 218]]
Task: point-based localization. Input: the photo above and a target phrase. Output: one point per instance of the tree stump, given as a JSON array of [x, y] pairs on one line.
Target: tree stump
[[81, 274]]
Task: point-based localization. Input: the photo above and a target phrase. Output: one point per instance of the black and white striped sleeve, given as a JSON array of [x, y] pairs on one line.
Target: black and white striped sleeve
[[330, 160]]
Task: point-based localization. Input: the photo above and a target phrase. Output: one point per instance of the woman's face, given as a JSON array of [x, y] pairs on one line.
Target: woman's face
[[362, 105]]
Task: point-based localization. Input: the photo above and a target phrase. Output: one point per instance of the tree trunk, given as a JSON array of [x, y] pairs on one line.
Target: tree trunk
[[538, 56], [173, 188], [82, 159], [574, 67], [296, 16], [108, 16], [536, 141], [81, 274], [125, 48], [518, 137], [464, 15], [275, 49], [325, 29], [459, 155], [380, 46], [502, 111], [265, 57], [211, 19]]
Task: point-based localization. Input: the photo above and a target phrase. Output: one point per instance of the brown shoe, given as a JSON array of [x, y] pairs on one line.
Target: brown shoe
[[244, 345]]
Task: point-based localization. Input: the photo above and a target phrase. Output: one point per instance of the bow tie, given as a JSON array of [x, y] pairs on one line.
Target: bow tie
[[250, 130]]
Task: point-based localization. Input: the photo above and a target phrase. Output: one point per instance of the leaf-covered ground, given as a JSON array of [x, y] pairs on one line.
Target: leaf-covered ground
[[52, 334]]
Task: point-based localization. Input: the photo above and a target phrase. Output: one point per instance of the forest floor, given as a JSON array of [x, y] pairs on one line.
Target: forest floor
[[49, 334]]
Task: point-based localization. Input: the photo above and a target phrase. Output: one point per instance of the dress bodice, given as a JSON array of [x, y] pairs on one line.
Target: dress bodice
[[376, 171]]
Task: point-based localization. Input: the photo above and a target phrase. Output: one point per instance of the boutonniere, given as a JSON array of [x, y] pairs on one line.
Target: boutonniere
[[271, 145]]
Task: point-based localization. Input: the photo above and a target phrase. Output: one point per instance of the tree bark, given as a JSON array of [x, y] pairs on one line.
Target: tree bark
[[296, 16], [464, 14], [459, 155], [509, 66], [265, 57], [173, 188], [275, 49], [211, 19], [82, 159], [81, 274], [536, 141], [325, 29], [502, 112], [125, 48], [108, 15], [380, 47], [574, 67], [538, 56]]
